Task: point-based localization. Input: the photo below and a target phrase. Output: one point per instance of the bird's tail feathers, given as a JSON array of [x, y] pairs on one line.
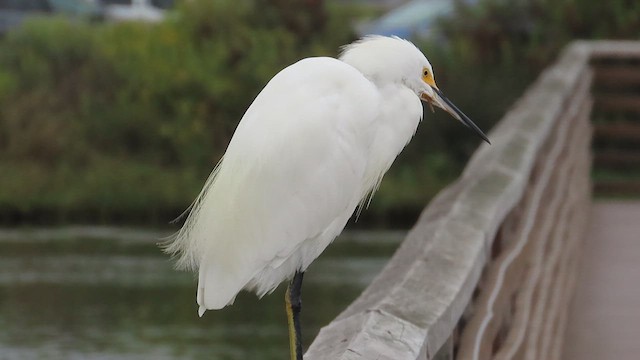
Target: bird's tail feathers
[[182, 246]]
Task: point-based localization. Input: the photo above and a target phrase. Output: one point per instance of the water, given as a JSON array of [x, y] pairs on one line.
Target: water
[[104, 293]]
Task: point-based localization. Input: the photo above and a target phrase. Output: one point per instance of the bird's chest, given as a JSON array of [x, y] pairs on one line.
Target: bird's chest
[[396, 123]]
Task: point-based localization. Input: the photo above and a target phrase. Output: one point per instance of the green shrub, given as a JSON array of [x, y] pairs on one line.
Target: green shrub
[[170, 93], [82, 97]]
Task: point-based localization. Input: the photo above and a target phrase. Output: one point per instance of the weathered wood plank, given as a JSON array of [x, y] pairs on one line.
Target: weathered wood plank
[[617, 187], [616, 76], [619, 49], [479, 339], [618, 102], [617, 159], [556, 278], [615, 131]]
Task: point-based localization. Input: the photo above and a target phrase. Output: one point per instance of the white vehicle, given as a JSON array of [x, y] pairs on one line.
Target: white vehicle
[[135, 10]]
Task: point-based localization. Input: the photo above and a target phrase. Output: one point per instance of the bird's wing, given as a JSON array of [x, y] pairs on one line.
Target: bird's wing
[[295, 163]]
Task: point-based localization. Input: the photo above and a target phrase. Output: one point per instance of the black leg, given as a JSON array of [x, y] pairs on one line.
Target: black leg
[[293, 300]]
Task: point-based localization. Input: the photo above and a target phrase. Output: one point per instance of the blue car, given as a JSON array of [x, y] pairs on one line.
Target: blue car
[[413, 20], [14, 12]]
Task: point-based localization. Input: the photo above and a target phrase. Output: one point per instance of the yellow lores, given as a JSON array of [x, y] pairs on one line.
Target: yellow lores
[[427, 77], [313, 144]]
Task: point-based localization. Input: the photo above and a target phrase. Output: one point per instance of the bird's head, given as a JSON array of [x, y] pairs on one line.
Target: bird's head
[[393, 60]]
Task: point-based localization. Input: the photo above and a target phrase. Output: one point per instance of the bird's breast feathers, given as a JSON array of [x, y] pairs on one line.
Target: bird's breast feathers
[[294, 170]]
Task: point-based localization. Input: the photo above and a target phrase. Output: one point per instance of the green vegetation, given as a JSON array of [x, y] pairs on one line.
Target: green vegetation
[[122, 122]]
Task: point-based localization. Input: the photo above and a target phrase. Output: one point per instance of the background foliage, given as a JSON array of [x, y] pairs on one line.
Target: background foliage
[[122, 122]]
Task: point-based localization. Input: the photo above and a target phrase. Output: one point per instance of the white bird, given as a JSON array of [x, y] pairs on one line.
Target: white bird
[[311, 148]]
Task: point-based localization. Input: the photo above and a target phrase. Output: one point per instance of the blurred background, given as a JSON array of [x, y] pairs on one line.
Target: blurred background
[[113, 113]]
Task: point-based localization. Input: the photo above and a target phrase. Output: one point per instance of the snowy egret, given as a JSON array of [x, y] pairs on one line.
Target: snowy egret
[[311, 148]]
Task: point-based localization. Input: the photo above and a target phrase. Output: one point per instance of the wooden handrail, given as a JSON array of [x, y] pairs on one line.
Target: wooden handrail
[[490, 264]]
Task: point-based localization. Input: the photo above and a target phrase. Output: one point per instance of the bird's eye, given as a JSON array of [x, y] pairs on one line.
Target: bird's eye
[[426, 73]]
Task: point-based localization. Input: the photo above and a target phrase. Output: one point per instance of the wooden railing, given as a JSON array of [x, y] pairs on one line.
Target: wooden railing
[[488, 270], [617, 123]]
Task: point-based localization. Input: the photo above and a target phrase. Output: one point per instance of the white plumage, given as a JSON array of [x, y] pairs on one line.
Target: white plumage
[[311, 147]]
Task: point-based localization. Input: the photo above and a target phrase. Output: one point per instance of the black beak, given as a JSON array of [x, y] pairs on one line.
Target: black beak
[[457, 113]]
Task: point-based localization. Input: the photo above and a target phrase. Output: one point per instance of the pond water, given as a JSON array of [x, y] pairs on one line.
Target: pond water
[[106, 293]]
